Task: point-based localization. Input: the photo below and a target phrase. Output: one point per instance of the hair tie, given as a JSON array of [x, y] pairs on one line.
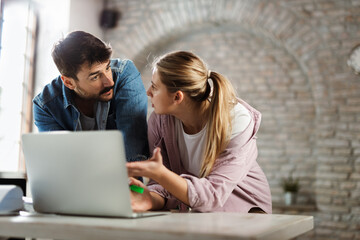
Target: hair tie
[[209, 73], [206, 93]]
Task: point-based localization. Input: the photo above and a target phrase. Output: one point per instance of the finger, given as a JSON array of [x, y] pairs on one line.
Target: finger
[[132, 167], [157, 152], [137, 165], [153, 157], [134, 181], [133, 173], [131, 164]]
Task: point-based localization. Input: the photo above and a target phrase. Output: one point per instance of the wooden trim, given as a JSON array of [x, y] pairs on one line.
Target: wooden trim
[[29, 80]]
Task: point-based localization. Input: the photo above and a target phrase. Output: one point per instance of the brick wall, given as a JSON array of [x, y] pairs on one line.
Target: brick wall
[[287, 59]]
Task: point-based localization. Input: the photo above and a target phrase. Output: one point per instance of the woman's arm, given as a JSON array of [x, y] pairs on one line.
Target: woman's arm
[[211, 192], [156, 139], [153, 168]]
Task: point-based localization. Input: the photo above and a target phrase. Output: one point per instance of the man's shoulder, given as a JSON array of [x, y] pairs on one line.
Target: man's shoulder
[[119, 65], [50, 91]]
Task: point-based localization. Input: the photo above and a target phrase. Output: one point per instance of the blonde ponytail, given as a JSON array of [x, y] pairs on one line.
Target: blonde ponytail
[[222, 101]]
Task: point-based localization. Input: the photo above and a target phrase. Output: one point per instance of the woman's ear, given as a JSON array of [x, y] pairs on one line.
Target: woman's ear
[[178, 97], [68, 82]]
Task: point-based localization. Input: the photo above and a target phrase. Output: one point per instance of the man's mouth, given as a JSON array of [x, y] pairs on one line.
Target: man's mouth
[[106, 90]]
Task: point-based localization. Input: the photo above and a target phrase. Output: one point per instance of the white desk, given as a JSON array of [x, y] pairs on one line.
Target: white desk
[[206, 226]]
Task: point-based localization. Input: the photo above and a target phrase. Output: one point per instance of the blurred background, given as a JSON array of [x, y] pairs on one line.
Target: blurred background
[[290, 59]]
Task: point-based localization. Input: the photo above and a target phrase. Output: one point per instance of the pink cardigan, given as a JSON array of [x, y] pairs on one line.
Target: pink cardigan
[[236, 182]]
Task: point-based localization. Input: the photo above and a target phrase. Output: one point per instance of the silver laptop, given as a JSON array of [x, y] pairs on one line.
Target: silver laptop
[[79, 173]]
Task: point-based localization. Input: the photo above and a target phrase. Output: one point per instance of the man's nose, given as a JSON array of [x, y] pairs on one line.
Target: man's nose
[[107, 81]]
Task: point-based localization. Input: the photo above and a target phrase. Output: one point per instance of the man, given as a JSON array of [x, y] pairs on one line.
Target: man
[[94, 92]]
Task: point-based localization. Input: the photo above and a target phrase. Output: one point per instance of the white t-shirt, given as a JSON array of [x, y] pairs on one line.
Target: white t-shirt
[[192, 146], [88, 123]]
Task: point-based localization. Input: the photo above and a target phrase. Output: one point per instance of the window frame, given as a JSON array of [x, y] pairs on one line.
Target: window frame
[[28, 74]]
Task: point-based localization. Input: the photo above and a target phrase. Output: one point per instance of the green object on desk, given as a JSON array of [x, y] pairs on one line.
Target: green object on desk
[[136, 189]]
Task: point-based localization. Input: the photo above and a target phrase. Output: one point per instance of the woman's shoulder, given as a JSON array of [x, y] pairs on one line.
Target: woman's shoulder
[[241, 118], [253, 111], [161, 119], [162, 126]]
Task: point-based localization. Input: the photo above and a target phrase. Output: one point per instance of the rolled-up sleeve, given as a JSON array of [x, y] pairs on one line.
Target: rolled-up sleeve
[[155, 138]]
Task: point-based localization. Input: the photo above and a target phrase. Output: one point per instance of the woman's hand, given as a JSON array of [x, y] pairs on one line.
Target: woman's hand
[[146, 200], [151, 168], [140, 201]]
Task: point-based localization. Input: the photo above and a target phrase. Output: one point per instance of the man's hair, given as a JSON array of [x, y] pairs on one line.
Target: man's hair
[[77, 48]]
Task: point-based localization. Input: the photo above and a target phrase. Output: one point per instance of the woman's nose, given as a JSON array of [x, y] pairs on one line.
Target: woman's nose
[[148, 92]]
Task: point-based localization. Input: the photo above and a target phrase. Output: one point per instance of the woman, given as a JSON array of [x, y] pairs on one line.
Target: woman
[[203, 143]]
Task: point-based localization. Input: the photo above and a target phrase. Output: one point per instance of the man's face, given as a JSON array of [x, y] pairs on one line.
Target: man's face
[[94, 82]]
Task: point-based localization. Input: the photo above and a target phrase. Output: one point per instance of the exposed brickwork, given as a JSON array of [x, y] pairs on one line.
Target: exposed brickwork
[[288, 59]]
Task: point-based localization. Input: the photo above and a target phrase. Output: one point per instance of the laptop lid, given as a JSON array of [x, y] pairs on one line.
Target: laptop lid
[[81, 173]]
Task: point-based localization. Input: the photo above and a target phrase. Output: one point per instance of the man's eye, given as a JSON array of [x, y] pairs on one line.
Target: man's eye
[[94, 78]]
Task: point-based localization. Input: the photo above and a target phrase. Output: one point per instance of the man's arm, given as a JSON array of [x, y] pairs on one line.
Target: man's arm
[[44, 120], [131, 110]]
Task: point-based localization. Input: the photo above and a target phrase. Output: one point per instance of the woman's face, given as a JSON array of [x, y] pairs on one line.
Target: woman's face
[[161, 99]]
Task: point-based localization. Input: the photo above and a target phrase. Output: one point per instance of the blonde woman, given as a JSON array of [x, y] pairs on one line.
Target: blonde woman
[[203, 141]]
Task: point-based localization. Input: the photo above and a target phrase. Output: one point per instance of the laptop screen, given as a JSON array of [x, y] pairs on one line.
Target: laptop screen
[[81, 173]]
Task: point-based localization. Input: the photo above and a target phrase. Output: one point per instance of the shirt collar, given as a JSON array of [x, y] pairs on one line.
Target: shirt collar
[[67, 94]]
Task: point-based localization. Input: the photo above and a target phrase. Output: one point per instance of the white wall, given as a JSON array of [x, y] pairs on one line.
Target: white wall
[[53, 23], [85, 16]]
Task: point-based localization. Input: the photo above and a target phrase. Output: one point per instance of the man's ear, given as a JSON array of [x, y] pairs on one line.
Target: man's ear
[[68, 82], [178, 97]]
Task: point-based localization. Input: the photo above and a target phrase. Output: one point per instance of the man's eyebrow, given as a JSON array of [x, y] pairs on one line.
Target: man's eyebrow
[[97, 72], [93, 73]]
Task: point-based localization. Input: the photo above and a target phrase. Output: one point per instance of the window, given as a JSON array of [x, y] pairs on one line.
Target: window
[[17, 55]]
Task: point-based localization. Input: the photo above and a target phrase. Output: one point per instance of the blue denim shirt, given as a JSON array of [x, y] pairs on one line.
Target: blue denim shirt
[[54, 108]]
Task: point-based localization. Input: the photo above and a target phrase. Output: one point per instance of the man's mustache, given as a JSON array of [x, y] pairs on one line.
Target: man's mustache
[[106, 89]]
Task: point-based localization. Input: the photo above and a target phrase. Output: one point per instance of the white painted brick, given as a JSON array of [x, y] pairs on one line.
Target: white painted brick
[[287, 59]]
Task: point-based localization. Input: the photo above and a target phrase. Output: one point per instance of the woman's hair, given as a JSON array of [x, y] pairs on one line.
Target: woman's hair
[[186, 72]]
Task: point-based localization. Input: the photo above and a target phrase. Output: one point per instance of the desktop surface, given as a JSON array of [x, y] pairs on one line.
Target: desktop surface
[[209, 226]]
